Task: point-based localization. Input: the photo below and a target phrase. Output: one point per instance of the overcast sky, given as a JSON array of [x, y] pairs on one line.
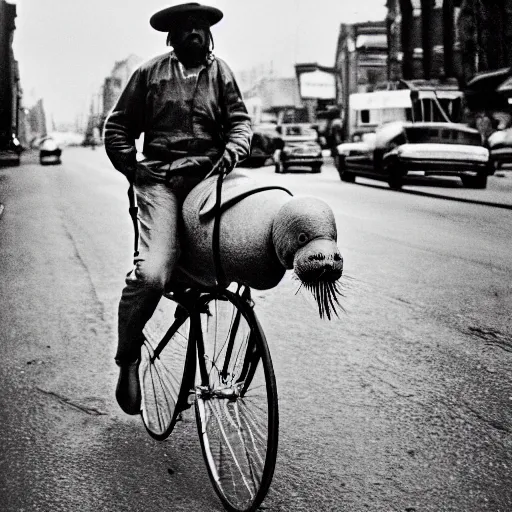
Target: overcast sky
[[65, 48]]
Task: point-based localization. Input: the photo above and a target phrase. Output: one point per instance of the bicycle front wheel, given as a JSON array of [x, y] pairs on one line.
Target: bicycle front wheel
[[236, 401]]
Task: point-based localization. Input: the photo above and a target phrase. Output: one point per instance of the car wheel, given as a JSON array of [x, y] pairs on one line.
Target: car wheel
[[341, 166], [258, 162], [395, 182], [478, 181], [395, 176], [316, 168]]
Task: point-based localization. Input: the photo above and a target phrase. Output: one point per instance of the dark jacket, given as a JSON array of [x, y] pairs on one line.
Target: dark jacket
[[177, 119]]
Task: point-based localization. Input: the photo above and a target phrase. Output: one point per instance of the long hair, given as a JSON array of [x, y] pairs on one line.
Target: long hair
[[211, 44]]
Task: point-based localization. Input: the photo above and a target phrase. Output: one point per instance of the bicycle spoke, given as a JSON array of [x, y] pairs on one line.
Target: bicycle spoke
[[163, 367]]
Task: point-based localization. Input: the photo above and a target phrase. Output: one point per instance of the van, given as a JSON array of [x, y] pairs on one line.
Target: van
[[369, 110]]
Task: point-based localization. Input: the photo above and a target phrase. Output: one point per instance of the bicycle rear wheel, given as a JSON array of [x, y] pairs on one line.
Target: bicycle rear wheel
[[236, 401], [166, 360]]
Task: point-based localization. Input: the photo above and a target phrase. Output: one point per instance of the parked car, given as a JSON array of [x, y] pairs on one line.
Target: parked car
[[399, 148], [300, 148], [500, 147], [10, 149], [265, 141], [361, 143], [49, 152]]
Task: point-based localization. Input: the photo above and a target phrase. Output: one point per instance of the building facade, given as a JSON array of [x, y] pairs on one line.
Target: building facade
[[361, 61], [105, 99], [10, 89], [117, 80], [275, 99], [423, 39]]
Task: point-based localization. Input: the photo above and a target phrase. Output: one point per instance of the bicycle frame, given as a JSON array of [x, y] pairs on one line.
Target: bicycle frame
[[196, 343]]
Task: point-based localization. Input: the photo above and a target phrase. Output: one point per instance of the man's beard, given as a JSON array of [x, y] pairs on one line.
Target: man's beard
[[191, 53]]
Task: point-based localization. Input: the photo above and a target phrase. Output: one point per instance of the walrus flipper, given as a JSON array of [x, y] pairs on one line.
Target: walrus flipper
[[236, 186]]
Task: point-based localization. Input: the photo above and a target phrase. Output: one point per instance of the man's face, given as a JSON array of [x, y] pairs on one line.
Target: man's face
[[190, 35]]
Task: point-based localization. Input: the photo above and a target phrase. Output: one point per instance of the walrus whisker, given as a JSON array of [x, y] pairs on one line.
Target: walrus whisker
[[325, 293], [330, 304], [334, 292], [325, 303]]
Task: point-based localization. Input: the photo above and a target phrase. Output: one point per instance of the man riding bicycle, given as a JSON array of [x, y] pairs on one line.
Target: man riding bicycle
[[190, 109]]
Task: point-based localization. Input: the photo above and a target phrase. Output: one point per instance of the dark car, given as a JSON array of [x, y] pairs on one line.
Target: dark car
[[265, 141], [10, 149], [49, 152], [398, 148], [300, 148]]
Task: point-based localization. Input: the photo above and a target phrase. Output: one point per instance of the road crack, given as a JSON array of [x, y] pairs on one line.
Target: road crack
[[498, 425], [492, 337], [93, 411]]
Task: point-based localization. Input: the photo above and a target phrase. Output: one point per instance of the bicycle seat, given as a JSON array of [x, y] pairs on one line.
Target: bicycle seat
[[236, 186]]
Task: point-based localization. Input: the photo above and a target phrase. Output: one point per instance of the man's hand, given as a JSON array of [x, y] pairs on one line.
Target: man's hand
[[229, 161]]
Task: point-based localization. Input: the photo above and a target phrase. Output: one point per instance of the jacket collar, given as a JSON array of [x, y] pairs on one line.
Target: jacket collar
[[209, 58]]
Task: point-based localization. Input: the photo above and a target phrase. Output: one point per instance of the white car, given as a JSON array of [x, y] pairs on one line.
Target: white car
[[433, 148], [49, 152], [500, 147]]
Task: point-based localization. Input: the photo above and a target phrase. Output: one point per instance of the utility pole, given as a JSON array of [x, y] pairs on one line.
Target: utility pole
[[448, 38], [427, 8]]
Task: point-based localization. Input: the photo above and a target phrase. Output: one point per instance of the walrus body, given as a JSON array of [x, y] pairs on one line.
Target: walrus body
[[263, 232]]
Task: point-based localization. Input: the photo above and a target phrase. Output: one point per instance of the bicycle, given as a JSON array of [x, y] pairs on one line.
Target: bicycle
[[215, 356]]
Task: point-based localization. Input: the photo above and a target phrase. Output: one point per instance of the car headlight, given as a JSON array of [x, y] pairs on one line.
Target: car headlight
[[287, 151]]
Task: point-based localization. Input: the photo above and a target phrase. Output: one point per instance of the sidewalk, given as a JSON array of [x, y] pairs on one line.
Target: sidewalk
[[498, 192]]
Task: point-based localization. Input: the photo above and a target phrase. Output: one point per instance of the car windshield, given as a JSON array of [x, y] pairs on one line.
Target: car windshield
[[441, 135]]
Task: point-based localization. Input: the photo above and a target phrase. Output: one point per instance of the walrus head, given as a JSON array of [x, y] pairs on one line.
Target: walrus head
[[304, 236]]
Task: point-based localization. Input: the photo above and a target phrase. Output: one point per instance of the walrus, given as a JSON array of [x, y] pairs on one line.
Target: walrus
[[264, 231]]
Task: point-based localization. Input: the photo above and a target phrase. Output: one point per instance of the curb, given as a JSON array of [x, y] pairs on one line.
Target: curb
[[459, 199]]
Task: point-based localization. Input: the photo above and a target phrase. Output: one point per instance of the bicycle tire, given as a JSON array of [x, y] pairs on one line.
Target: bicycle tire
[[167, 358], [236, 402]]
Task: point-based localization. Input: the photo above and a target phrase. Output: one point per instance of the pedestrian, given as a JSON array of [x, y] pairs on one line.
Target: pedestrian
[[190, 109], [486, 124]]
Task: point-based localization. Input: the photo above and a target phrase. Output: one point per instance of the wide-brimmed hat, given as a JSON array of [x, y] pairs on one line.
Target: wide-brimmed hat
[[163, 20]]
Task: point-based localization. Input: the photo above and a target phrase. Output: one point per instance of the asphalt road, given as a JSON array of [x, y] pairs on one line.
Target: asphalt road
[[401, 404]]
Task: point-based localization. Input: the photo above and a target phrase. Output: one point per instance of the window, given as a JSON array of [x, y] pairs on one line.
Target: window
[[365, 117]]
